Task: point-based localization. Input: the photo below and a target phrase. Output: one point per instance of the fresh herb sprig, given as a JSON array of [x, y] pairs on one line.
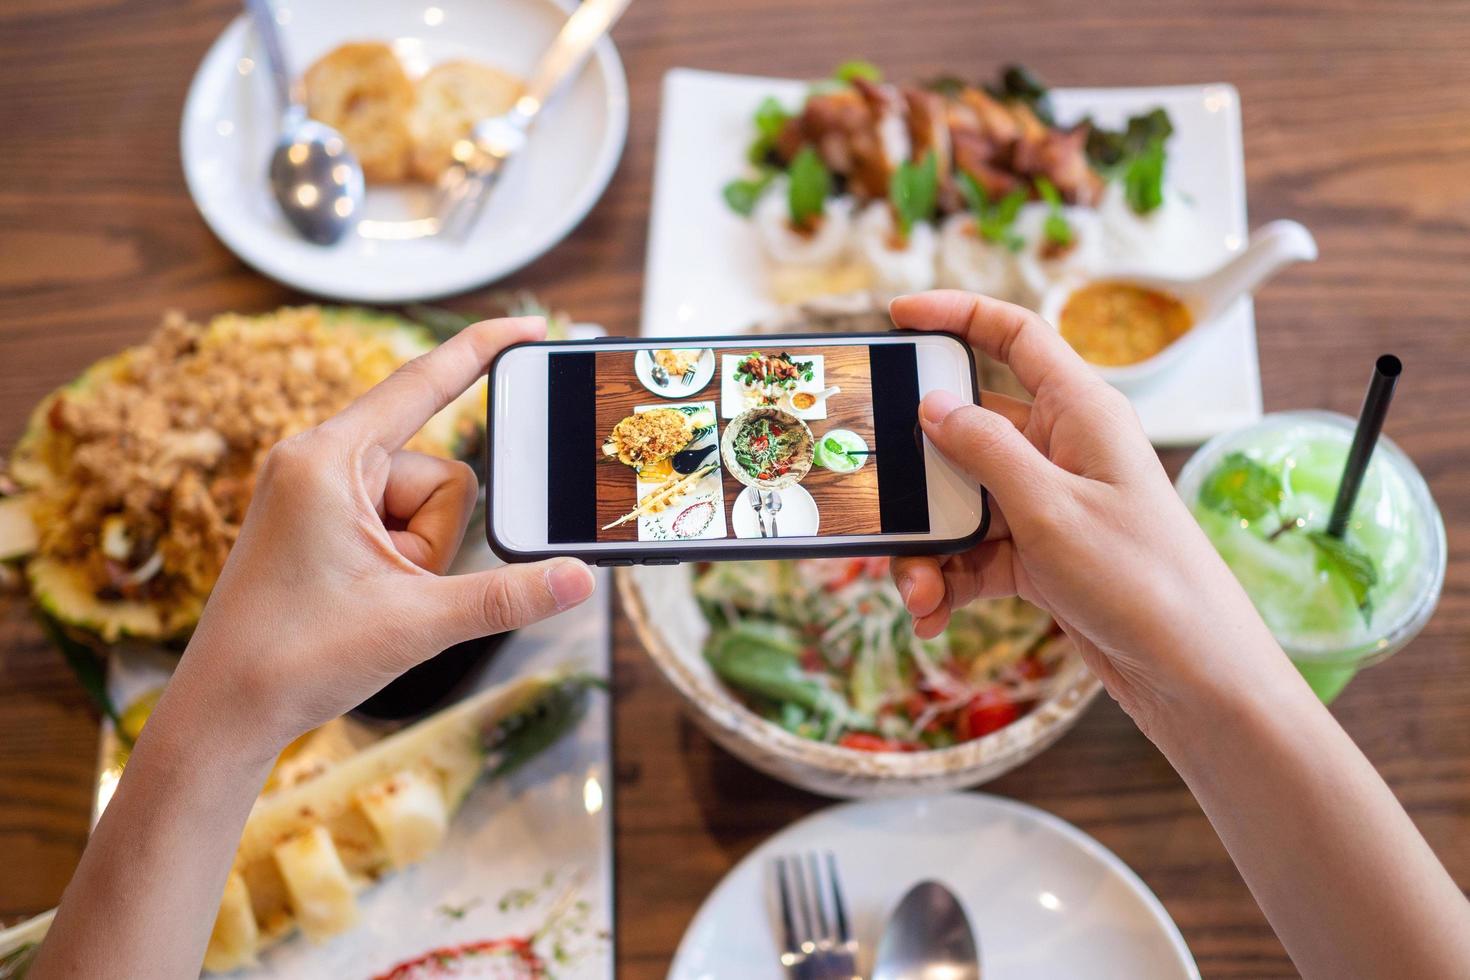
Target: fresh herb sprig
[[1134, 155], [1244, 489], [1018, 84], [810, 184], [1056, 228], [742, 193], [913, 190], [994, 220]]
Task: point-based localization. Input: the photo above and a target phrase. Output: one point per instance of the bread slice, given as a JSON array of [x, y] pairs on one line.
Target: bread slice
[[360, 90], [452, 97]]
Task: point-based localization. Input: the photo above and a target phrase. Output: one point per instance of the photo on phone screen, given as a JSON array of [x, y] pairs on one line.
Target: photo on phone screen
[[749, 441]]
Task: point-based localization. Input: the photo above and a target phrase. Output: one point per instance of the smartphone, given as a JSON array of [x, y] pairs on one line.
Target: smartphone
[[625, 451]]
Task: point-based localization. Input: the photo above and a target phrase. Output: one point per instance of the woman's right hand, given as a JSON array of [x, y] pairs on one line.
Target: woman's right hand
[[1085, 522]]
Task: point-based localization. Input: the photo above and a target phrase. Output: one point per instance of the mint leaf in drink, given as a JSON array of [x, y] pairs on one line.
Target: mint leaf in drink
[[1243, 487], [832, 445], [1056, 228], [809, 187], [914, 192], [857, 68], [741, 195], [1336, 557]]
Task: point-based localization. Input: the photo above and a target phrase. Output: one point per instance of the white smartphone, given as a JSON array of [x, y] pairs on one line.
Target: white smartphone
[[703, 449]]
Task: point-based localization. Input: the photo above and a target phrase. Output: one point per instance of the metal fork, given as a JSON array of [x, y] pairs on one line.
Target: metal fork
[[758, 504], [818, 946]]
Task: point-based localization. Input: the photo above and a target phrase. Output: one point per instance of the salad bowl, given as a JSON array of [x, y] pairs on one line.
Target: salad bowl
[[661, 604]]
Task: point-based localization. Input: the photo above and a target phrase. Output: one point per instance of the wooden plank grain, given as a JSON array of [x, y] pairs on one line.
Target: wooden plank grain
[[1355, 122]]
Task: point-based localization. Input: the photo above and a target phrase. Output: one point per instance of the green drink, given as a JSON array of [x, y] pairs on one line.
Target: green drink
[[841, 451], [1263, 496]]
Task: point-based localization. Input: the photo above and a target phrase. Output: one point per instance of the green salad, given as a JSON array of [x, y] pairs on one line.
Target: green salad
[[765, 449], [825, 649]]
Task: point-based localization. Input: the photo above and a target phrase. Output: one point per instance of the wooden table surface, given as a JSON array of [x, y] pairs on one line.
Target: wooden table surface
[[1357, 122]]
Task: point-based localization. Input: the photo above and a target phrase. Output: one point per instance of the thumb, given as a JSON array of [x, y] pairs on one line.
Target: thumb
[[986, 445], [466, 607]]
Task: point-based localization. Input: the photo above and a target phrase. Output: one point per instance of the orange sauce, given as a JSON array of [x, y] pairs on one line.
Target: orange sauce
[[803, 400], [1117, 323]]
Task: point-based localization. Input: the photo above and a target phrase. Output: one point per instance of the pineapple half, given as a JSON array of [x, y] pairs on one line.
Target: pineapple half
[[309, 849]]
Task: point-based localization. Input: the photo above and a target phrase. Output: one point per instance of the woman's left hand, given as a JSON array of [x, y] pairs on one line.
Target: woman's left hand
[[336, 584]]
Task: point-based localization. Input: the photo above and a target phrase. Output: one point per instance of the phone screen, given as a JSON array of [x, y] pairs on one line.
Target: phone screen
[[740, 441]]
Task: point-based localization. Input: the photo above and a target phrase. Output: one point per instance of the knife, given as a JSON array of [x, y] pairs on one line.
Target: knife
[[496, 140]]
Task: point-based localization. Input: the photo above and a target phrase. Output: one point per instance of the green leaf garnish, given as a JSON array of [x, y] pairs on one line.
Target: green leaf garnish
[[1143, 180], [993, 220], [1242, 487], [856, 68], [770, 118], [1336, 557], [1056, 229], [1018, 84], [743, 194], [1135, 155], [810, 184], [914, 192]]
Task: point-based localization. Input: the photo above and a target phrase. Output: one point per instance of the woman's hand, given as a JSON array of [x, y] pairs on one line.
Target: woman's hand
[[336, 584], [1085, 523]]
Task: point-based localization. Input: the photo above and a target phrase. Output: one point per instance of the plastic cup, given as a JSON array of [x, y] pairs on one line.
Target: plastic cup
[[841, 462], [1310, 609]]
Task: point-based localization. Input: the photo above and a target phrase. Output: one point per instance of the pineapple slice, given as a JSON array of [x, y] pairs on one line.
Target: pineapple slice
[[17, 529], [308, 848], [235, 934], [321, 893], [409, 813]]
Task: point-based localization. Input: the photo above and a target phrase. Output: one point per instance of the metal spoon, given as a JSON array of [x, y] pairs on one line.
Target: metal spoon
[[928, 937], [316, 178], [773, 504], [660, 377]]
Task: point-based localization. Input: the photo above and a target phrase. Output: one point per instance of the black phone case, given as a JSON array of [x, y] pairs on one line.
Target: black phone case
[[811, 548]]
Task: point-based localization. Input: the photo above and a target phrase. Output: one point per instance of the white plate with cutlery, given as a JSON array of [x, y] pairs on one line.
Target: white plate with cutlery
[[230, 127], [1044, 899]]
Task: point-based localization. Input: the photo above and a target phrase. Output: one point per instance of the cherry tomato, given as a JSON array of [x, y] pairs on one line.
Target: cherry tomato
[[776, 431], [864, 742], [987, 713], [811, 660]]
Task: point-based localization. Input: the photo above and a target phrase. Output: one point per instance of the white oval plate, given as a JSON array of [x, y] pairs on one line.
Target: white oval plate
[[797, 518], [704, 369], [229, 129], [1045, 899]]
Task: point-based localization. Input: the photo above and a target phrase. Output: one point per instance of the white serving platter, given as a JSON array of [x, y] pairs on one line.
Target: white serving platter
[[706, 273]]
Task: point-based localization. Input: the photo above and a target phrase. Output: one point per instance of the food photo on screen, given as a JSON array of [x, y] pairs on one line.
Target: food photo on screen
[[746, 442]]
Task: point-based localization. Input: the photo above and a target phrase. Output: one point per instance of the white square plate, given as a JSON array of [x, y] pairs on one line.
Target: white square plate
[[732, 392], [706, 274]]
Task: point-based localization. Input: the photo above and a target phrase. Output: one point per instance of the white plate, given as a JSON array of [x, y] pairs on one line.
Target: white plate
[[704, 369], [228, 131], [732, 392], [660, 527], [798, 517], [1045, 899], [552, 818], [706, 273]]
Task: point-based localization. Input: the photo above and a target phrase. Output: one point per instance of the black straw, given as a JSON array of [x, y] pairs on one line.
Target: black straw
[[1386, 371]]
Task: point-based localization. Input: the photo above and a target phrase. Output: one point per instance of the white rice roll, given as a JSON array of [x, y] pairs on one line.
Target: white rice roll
[[895, 270], [1086, 256], [969, 262], [784, 245], [1163, 240]]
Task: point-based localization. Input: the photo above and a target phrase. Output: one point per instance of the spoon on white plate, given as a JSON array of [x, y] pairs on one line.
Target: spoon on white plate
[[316, 179], [928, 937]]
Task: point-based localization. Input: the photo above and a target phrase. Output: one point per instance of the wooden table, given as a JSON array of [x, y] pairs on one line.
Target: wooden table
[[1357, 122]]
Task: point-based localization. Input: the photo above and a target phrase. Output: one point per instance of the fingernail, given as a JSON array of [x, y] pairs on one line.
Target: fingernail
[[570, 582], [905, 589], [938, 404]]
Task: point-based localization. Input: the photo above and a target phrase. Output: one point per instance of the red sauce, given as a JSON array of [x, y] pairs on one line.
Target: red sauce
[[442, 961]]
